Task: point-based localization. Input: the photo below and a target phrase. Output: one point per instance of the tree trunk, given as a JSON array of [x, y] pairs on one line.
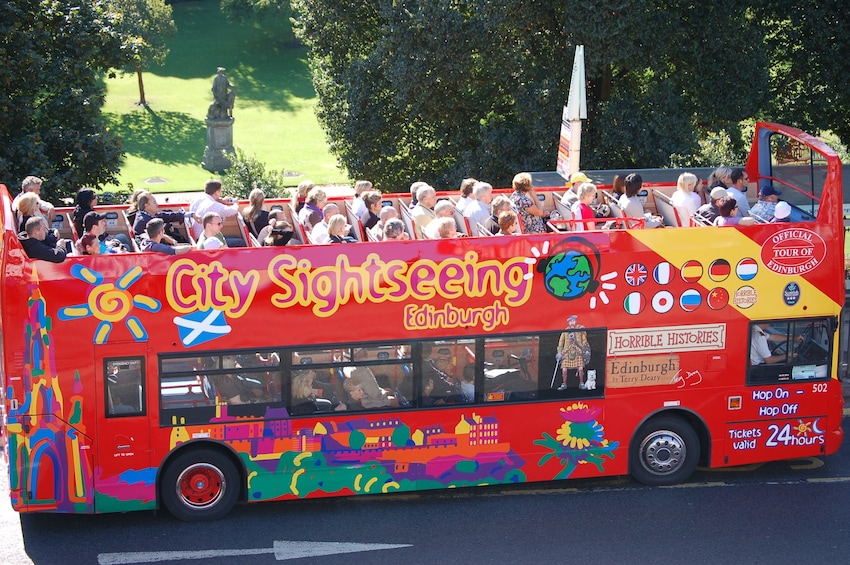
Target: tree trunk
[[142, 101]]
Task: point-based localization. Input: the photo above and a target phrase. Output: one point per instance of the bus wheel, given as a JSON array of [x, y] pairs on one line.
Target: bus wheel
[[200, 485], [664, 451]]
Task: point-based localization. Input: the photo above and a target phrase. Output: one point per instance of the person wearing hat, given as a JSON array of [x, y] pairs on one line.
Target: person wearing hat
[[573, 352], [782, 212], [707, 213], [763, 209], [570, 196], [94, 223]]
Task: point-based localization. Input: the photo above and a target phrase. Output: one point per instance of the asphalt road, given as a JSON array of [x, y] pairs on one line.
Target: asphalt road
[[785, 512]]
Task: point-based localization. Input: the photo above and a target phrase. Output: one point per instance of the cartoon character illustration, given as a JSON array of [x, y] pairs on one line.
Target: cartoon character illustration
[[573, 352]]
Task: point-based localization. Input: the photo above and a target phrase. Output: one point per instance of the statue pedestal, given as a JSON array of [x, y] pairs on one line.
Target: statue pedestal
[[219, 144]]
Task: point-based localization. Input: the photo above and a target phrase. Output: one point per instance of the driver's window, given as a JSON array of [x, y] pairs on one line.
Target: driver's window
[[782, 350]]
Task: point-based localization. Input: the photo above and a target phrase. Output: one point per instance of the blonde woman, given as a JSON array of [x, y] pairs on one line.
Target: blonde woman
[[337, 230], [686, 195], [27, 208], [299, 197], [255, 217], [358, 206], [528, 208]]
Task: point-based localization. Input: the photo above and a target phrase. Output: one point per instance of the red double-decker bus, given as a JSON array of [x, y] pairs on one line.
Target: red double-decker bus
[[193, 382]]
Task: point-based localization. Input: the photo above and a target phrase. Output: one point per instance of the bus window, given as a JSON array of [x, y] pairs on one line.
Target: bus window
[[790, 350], [443, 366], [510, 368], [125, 387]]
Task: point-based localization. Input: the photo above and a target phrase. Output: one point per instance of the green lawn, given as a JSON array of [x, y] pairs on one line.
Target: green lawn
[[274, 117]]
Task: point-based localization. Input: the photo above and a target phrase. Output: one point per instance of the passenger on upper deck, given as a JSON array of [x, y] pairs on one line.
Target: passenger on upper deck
[[27, 207], [133, 204], [85, 201], [256, 218], [338, 230], [358, 205], [311, 213], [372, 204], [274, 215], [632, 206], [737, 188], [446, 228], [387, 213], [618, 186], [507, 223], [465, 194], [721, 176], [423, 213], [570, 196], [499, 204], [581, 208], [394, 230], [414, 189], [152, 240], [763, 210], [96, 223], [280, 233], [89, 244], [211, 237], [528, 208], [443, 209], [32, 239], [782, 212], [707, 213], [211, 201], [478, 211], [149, 209], [44, 209], [728, 208], [686, 195], [319, 233], [299, 197]]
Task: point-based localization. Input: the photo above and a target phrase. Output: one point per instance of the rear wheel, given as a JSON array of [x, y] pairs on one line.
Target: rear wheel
[[664, 451], [200, 485]]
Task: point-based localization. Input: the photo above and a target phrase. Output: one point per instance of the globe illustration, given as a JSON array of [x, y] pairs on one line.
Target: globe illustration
[[568, 275]]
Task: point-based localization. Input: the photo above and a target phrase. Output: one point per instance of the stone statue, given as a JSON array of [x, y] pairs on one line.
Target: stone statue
[[224, 95]]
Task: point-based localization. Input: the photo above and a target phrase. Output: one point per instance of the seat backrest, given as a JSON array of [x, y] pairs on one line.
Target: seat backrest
[[683, 216], [462, 223], [482, 230], [613, 204], [297, 227], [407, 220], [563, 210], [665, 208], [358, 232]]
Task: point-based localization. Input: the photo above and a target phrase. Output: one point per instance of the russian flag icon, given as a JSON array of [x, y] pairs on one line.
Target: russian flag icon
[[201, 326]]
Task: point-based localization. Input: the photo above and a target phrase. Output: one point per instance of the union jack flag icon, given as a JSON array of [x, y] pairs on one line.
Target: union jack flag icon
[[636, 274]]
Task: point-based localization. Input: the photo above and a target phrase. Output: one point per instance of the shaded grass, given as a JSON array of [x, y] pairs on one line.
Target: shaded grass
[[274, 109]]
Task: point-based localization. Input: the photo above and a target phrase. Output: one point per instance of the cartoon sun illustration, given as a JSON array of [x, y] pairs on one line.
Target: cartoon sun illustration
[[803, 428], [110, 303]]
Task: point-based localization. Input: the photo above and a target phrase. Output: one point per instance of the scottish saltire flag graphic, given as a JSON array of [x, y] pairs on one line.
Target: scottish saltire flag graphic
[[692, 271], [690, 300], [201, 326], [634, 303], [636, 274], [663, 273], [747, 269], [719, 270]]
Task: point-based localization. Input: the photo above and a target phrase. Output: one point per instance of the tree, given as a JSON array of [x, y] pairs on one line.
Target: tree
[[144, 26], [50, 94], [446, 89]]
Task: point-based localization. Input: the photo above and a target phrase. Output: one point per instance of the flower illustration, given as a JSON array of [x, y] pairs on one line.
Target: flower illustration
[[579, 440]]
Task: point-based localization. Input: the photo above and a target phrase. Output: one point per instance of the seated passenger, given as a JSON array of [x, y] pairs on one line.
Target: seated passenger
[[359, 205], [311, 213], [427, 398], [570, 196], [443, 209], [478, 211], [33, 238], [581, 208], [355, 394], [152, 240], [394, 230], [507, 223], [280, 233], [96, 223], [466, 196], [305, 398], [387, 213], [319, 233], [89, 245], [467, 386], [446, 228], [256, 218], [632, 206], [338, 230], [373, 395], [782, 212], [728, 208], [149, 209], [763, 210], [273, 216], [707, 213], [211, 237], [499, 204], [27, 207], [373, 202], [686, 194]]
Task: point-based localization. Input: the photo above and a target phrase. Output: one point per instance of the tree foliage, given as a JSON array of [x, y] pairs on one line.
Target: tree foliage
[[452, 88], [144, 27], [50, 94]]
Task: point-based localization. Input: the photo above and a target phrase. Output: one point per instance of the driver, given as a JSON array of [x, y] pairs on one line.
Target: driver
[[760, 352]]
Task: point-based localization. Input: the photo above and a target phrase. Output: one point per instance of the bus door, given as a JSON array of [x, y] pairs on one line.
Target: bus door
[[123, 426]]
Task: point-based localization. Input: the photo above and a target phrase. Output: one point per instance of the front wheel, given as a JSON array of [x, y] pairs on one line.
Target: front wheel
[[200, 485], [664, 451]]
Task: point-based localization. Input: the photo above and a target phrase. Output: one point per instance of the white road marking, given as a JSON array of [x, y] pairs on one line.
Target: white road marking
[[282, 551]]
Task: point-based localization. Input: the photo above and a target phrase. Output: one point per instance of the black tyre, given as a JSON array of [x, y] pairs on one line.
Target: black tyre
[[200, 485], [664, 451]]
